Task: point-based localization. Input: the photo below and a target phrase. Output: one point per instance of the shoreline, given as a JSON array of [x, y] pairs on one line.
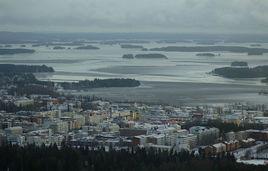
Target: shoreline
[[181, 93]]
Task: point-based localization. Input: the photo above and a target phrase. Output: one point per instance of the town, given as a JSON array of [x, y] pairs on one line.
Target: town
[[91, 122]]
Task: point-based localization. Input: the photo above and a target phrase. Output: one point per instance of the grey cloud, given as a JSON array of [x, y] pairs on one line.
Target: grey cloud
[[138, 15]]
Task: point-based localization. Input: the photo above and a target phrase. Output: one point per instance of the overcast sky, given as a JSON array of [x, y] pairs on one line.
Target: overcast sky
[[134, 15]]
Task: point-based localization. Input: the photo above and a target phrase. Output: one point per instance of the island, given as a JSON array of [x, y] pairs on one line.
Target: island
[[15, 51], [20, 80], [174, 41], [255, 45], [206, 54], [58, 47], [129, 46], [114, 42], [241, 70], [64, 44], [128, 56], [47, 44], [36, 45], [265, 80], [234, 49], [255, 53], [239, 64], [97, 83], [151, 56], [87, 47]]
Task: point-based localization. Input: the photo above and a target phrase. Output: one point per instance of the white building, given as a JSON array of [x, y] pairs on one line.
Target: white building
[[189, 140]]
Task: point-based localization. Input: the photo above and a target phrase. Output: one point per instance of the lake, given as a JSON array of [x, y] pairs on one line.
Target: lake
[[182, 78]]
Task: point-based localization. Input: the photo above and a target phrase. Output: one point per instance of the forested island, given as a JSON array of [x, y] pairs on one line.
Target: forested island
[[255, 45], [242, 72], [265, 80], [37, 45], [67, 158], [20, 80], [235, 49], [129, 46], [47, 44], [206, 54], [255, 53], [145, 56], [87, 47], [128, 56], [64, 44], [58, 48], [97, 83], [15, 51], [150, 56], [239, 64]]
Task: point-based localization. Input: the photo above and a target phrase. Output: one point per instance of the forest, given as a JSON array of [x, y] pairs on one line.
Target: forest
[[243, 72], [20, 80], [97, 83], [48, 158], [11, 68]]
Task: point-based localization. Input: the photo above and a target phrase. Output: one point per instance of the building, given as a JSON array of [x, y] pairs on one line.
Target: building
[[218, 148], [156, 139], [205, 136], [131, 132], [189, 140], [59, 127]]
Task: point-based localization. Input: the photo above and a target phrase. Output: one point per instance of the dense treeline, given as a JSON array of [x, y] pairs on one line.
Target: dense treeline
[[7, 68], [225, 127], [97, 83], [26, 84], [244, 72], [66, 158], [20, 80], [29, 89], [15, 51]]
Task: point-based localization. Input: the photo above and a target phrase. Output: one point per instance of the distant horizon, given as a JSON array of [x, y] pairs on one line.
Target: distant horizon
[[136, 32], [21, 37]]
